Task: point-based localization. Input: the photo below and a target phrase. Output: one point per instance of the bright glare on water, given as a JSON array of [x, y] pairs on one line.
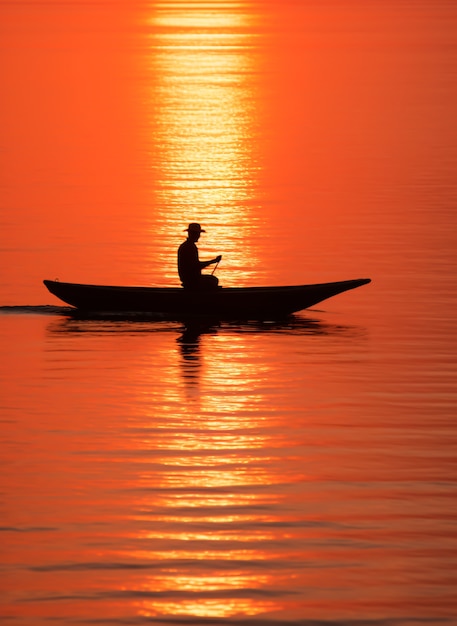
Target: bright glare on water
[[294, 472]]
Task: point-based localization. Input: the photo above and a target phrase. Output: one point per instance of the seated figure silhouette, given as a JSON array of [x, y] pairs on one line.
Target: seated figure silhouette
[[189, 265]]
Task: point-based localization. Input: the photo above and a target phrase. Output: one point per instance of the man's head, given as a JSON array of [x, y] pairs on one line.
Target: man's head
[[194, 230]]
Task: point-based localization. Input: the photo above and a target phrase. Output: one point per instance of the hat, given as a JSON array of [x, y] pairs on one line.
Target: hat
[[195, 228]]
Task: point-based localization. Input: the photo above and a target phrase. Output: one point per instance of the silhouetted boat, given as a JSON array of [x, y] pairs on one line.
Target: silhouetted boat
[[178, 303]]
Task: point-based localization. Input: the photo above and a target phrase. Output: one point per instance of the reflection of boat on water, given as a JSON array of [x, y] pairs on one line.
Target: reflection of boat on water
[[179, 303], [188, 333]]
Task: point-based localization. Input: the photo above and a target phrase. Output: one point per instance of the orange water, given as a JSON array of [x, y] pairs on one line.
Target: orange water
[[299, 472]]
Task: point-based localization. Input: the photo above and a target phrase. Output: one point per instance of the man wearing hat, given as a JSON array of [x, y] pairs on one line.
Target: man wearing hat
[[189, 265]]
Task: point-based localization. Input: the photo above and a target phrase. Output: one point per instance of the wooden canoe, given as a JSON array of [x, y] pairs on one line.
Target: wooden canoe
[[178, 303]]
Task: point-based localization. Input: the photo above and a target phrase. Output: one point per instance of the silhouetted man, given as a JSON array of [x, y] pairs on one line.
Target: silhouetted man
[[189, 265]]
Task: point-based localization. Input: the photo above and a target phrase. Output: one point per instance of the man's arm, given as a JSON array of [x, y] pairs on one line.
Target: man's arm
[[206, 263]]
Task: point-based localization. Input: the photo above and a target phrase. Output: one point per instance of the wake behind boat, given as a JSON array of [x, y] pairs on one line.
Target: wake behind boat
[[178, 303]]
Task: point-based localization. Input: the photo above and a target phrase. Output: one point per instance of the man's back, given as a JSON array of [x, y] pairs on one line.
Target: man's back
[[188, 263]]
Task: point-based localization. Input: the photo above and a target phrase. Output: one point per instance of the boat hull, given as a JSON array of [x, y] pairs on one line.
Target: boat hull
[[179, 303]]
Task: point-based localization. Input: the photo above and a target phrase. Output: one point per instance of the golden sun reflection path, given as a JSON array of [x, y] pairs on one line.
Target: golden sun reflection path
[[208, 488], [204, 128]]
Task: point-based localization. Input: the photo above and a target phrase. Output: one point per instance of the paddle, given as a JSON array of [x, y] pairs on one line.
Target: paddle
[[215, 267]]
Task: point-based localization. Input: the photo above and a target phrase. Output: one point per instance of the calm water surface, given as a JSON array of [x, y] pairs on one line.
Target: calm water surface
[[299, 472]]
